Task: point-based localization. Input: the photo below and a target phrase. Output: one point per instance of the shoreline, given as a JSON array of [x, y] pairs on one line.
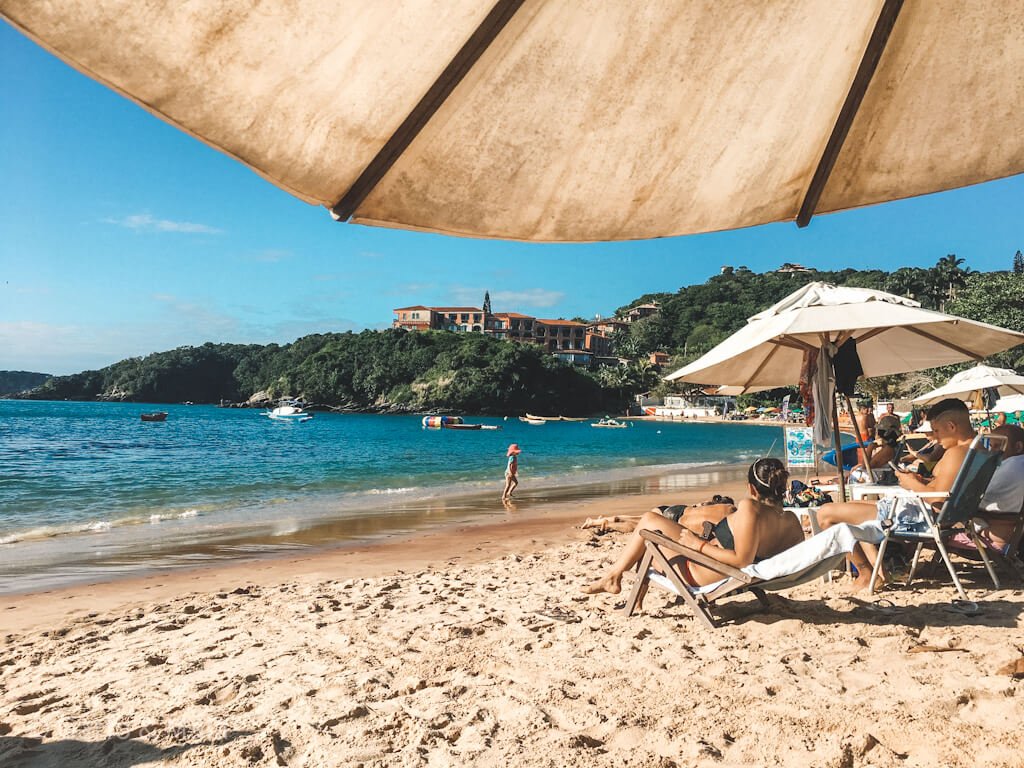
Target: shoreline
[[535, 520], [90, 557]]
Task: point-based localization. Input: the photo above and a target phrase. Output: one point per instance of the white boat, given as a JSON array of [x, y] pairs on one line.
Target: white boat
[[290, 412], [610, 423]]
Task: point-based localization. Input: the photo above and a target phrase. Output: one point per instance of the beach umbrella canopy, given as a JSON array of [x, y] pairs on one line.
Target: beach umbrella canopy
[[1010, 404], [966, 384], [893, 335], [570, 120]]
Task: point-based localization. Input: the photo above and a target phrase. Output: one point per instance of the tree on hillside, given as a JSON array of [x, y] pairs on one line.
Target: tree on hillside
[[948, 277], [996, 298], [1018, 263]]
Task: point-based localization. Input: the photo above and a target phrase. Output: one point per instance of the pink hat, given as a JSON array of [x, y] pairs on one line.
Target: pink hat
[[514, 448]]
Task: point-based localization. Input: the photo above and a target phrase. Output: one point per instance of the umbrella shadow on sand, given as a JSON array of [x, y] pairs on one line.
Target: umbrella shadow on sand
[[24, 751]]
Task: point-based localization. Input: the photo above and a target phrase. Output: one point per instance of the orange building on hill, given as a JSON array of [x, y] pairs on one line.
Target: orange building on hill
[[568, 339]]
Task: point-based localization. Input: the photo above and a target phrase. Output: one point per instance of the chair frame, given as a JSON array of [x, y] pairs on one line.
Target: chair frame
[[735, 581], [738, 581], [957, 510]]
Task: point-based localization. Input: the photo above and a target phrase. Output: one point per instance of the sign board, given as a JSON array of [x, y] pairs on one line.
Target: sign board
[[800, 447]]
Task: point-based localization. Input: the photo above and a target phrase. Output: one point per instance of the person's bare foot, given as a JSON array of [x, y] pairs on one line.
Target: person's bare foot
[[863, 582], [612, 584]]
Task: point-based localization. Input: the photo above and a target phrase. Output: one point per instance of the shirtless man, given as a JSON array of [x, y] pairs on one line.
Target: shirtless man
[[951, 426]]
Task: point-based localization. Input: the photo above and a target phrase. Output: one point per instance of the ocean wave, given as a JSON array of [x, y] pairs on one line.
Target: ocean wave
[[91, 526]]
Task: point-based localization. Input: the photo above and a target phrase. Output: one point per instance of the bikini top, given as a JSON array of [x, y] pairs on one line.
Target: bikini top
[[723, 534]]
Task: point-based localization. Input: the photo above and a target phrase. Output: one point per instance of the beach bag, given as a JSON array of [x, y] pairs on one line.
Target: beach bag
[[802, 495]]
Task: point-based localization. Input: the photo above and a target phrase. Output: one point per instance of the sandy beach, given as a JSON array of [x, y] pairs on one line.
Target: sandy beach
[[473, 645]]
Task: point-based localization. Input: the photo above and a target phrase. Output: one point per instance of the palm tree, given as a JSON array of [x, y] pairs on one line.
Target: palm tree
[[947, 276]]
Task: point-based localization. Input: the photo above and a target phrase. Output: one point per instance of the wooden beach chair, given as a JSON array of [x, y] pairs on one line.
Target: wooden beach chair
[[959, 508], [811, 559]]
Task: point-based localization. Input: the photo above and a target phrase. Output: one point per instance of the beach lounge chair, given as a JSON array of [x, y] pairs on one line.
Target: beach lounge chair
[[811, 559], [959, 507]]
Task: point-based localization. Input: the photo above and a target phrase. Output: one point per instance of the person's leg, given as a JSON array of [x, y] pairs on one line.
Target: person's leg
[[508, 487], [852, 512], [863, 558], [632, 553]]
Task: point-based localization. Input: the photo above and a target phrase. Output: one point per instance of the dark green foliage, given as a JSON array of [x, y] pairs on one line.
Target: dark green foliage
[[474, 373], [433, 370], [19, 381]]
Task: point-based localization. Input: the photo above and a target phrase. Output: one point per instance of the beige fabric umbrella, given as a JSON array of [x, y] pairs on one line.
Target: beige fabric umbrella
[[893, 334], [571, 120], [966, 383]]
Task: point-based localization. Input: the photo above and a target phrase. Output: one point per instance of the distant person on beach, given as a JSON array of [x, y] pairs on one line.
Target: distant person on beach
[[879, 453], [758, 529], [951, 424], [924, 459], [692, 517], [511, 472], [889, 421]]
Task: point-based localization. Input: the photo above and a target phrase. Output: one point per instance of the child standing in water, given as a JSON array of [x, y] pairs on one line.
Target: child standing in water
[[511, 472]]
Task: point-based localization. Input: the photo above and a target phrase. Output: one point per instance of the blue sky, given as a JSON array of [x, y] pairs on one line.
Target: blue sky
[[121, 236]]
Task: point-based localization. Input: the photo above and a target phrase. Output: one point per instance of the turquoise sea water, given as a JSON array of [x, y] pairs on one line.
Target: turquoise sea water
[[88, 490]]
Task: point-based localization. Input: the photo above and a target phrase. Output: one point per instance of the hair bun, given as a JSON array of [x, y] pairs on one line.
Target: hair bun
[[769, 477]]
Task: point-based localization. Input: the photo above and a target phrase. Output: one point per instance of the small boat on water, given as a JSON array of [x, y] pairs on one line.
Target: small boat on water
[[289, 412], [453, 422], [533, 420], [609, 423], [155, 416], [553, 418]]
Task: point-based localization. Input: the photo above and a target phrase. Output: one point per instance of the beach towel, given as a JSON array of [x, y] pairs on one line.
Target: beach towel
[[820, 549]]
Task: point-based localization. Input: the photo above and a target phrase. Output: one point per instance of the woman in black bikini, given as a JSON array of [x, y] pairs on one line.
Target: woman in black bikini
[[759, 528]]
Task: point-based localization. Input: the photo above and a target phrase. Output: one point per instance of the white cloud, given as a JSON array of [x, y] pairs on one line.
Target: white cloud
[[507, 301], [144, 222]]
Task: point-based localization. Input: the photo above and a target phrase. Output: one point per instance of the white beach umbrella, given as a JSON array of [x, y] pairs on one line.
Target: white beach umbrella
[[966, 384], [893, 335], [1010, 404], [570, 120]]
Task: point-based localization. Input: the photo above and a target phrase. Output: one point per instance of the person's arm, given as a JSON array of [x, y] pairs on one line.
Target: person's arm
[[943, 474], [743, 524]]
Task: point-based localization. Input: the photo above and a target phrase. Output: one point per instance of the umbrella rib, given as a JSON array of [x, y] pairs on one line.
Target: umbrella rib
[[872, 333], [789, 341], [449, 79], [944, 343], [868, 63]]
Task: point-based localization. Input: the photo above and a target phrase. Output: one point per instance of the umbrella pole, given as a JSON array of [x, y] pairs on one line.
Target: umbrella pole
[[838, 445], [859, 435]]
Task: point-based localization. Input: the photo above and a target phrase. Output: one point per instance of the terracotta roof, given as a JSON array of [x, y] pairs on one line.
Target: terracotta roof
[[513, 314], [560, 322], [405, 309], [456, 309]]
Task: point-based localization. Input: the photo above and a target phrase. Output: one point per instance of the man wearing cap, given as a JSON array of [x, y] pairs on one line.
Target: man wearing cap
[[511, 472]]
